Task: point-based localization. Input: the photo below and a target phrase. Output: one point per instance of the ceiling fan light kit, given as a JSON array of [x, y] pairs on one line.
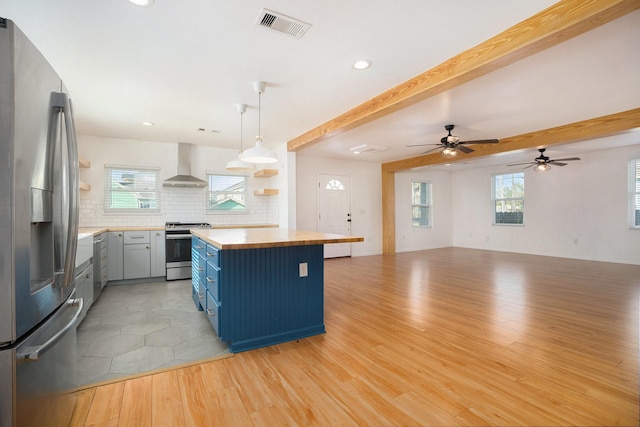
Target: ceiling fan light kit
[[451, 144], [541, 167], [543, 163], [449, 152], [259, 153]]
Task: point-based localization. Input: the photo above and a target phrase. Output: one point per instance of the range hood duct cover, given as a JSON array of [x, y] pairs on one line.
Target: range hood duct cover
[[184, 177]]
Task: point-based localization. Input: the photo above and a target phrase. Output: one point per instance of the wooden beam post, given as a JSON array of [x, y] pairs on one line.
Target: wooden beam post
[[388, 213]]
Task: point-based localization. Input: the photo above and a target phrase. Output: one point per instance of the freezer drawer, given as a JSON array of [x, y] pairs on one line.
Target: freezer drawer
[[36, 374]]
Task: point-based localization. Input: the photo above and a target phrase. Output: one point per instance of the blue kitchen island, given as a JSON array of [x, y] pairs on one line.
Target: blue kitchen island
[[261, 286]]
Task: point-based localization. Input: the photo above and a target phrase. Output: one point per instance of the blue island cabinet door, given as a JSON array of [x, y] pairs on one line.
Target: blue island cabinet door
[[263, 298]]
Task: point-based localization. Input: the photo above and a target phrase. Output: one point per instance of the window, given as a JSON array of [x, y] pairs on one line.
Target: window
[[131, 189], [227, 193], [634, 193], [508, 197], [421, 204], [334, 184]]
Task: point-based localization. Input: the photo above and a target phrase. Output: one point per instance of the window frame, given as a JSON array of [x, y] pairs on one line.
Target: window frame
[[428, 205], [245, 193], [495, 199], [109, 190], [634, 194]]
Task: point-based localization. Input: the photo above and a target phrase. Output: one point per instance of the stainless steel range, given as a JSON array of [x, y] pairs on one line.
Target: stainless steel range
[[178, 248]]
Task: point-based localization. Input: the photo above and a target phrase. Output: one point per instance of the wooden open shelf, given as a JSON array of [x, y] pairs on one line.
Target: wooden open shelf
[[84, 186], [265, 173], [266, 192], [84, 163]]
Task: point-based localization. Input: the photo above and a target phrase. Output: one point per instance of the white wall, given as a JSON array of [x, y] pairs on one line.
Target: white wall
[[577, 211], [366, 199], [177, 204], [439, 235]]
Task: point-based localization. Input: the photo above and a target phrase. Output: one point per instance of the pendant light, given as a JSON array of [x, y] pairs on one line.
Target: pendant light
[[239, 165], [259, 153]]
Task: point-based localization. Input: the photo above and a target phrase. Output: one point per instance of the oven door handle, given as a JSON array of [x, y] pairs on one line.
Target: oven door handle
[[178, 236]]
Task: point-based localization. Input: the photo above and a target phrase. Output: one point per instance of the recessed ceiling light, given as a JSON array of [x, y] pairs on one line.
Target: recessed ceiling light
[[362, 64], [147, 123], [147, 3]]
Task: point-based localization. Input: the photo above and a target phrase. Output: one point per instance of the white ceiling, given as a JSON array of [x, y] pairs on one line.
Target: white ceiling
[[185, 64]]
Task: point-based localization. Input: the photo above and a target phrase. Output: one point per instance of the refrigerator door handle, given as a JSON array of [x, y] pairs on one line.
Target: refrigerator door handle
[[64, 105], [34, 353]]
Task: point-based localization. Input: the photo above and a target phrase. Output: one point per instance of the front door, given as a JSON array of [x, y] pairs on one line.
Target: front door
[[334, 211]]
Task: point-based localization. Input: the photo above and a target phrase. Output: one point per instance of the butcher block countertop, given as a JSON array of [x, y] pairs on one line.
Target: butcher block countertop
[[98, 230], [252, 238]]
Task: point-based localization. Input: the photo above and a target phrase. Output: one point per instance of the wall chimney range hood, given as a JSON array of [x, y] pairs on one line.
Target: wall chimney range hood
[[184, 177]]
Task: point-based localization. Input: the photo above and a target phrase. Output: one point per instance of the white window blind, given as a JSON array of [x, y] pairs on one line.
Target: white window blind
[[131, 189], [634, 193], [420, 204], [227, 193], [508, 198]]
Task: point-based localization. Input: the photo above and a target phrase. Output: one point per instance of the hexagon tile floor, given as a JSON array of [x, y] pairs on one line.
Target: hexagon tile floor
[[138, 328]]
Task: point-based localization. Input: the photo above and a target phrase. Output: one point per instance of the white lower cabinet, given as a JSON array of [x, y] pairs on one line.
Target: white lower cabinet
[[115, 255], [136, 255], [137, 261], [84, 289], [158, 259]]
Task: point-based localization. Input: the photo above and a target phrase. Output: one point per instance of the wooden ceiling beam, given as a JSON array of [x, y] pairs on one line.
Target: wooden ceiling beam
[[556, 24], [573, 132]]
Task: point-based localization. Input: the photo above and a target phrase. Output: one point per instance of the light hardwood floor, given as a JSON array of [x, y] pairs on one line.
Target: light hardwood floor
[[441, 337]]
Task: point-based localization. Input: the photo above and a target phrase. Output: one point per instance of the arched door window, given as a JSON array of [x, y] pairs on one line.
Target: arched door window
[[334, 184]]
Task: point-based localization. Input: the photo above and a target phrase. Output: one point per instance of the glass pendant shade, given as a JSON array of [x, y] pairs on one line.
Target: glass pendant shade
[[541, 167], [449, 152]]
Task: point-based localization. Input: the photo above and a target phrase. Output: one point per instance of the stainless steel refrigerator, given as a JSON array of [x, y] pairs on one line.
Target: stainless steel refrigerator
[[38, 237]]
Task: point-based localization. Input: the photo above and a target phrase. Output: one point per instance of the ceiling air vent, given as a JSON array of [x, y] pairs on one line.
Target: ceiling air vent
[[364, 148], [282, 23]]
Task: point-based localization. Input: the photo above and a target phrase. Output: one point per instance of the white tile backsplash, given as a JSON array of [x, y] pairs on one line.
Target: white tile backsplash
[[180, 204]]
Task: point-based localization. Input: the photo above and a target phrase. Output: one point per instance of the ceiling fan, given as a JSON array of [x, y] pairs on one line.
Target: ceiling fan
[[451, 144], [543, 163]]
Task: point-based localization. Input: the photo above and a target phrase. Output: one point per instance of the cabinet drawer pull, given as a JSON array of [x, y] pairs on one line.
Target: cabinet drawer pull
[[210, 254], [200, 295], [136, 237], [210, 280], [200, 268], [210, 312], [199, 247]]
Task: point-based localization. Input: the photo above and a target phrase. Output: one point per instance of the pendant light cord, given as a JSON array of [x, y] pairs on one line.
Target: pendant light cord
[[259, 113], [241, 114]]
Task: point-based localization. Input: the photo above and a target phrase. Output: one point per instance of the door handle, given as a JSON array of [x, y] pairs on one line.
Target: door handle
[[34, 353]]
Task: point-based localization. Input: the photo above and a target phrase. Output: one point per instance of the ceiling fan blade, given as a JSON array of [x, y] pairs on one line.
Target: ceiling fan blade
[[429, 151], [480, 141], [464, 149], [565, 160], [421, 145], [527, 167], [556, 163], [525, 163]]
